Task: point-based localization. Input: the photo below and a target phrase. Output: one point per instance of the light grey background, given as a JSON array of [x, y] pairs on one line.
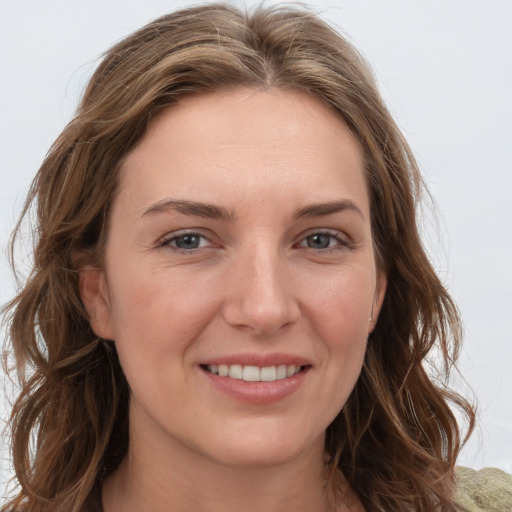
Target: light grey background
[[445, 70]]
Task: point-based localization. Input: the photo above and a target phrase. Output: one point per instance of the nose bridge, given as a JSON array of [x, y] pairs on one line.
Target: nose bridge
[[261, 297]]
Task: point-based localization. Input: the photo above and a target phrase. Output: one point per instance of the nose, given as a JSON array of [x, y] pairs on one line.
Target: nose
[[259, 293]]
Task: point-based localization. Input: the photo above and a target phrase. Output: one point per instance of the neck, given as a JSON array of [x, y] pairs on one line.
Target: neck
[[160, 474], [272, 490]]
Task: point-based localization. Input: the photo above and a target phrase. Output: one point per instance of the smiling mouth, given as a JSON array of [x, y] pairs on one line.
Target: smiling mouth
[[255, 373]]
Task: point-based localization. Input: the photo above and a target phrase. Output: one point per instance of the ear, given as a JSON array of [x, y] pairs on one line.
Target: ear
[[378, 300], [92, 285]]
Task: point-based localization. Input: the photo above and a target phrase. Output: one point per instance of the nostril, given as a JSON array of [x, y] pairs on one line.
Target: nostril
[[261, 321]]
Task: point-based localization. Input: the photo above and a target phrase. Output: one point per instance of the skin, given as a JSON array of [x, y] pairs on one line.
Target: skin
[[263, 279]]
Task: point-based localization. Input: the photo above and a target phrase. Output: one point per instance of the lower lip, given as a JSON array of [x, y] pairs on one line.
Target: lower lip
[[257, 393]]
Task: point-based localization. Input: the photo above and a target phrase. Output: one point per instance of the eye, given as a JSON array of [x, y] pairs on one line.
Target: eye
[[322, 241], [186, 242]]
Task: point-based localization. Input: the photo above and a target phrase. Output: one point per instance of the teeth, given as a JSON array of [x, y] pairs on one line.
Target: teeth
[[254, 373], [281, 372], [251, 373], [268, 374], [235, 371]]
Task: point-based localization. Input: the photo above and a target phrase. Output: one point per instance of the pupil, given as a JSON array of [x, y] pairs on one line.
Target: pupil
[[318, 241], [187, 242]]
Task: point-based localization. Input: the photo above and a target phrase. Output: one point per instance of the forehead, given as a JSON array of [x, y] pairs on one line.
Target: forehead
[[269, 143]]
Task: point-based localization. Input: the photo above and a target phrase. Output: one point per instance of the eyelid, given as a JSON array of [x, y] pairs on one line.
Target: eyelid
[[343, 239], [165, 241]]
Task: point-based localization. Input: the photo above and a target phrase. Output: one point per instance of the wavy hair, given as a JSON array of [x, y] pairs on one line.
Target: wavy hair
[[397, 439]]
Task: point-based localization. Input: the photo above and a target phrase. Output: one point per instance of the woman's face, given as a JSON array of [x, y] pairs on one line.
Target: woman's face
[[239, 243]]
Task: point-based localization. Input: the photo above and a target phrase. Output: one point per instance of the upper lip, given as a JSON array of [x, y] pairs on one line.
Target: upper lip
[[261, 360]]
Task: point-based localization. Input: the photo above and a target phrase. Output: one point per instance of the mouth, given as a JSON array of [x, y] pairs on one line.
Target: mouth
[[249, 373], [257, 379]]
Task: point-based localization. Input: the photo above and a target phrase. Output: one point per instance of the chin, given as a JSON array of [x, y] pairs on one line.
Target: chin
[[255, 457], [263, 449]]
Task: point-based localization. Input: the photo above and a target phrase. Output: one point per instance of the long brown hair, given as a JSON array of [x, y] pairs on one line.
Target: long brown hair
[[396, 440]]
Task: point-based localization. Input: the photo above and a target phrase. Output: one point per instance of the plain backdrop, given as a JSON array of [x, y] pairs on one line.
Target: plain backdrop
[[445, 70]]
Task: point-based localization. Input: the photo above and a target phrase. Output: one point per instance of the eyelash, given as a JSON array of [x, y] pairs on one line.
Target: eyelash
[[168, 242], [333, 236]]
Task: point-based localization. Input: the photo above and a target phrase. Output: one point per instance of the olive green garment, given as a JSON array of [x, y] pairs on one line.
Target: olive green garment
[[487, 490]]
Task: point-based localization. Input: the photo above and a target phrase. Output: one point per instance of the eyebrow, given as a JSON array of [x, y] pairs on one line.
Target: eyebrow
[[194, 208], [324, 209], [198, 209]]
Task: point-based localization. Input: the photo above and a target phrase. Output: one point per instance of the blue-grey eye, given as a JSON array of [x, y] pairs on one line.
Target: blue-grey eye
[[189, 241], [319, 241]]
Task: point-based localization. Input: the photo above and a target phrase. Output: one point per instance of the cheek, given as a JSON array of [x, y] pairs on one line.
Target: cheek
[[342, 307], [156, 321], [156, 317], [341, 319]]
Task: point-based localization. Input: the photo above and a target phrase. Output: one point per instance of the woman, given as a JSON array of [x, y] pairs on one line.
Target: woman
[[230, 303]]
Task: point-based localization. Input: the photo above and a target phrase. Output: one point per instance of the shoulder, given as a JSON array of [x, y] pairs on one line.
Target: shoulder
[[487, 490]]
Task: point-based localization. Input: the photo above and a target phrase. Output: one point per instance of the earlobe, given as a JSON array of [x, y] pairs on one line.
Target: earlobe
[[93, 289]]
